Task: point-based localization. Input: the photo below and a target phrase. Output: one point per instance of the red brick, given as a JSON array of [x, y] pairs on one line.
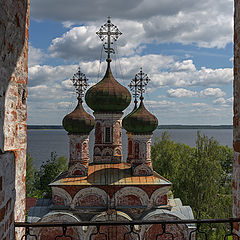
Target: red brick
[[156, 229], [30, 202], [236, 146], [51, 233], [236, 226], [91, 201]]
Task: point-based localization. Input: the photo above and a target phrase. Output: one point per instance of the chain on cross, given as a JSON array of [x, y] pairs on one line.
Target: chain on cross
[[108, 32], [79, 80], [138, 84]]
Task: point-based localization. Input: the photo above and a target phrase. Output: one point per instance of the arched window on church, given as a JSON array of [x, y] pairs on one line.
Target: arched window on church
[[107, 135], [130, 147], [136, 150]]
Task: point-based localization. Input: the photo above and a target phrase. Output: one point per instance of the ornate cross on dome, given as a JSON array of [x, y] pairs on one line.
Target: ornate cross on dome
[[134, 88], [79, 80], [108, 32], [138, 84]]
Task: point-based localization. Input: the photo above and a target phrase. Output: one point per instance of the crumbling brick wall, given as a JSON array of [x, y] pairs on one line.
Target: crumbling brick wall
[[14, 23], [236, 117]]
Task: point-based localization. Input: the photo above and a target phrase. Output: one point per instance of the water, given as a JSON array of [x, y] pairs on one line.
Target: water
[[42, 142]]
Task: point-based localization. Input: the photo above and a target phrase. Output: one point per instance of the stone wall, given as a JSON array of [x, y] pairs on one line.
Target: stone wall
[[14, 24], [236, 117], [7, 195]]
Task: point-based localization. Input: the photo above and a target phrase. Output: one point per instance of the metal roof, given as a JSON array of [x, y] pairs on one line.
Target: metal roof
[[110, 174]]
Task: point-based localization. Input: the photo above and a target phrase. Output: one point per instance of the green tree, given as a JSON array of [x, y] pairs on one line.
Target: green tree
[[201, 175], [30, 173], [167, 156], [37, 180], [48, 172]]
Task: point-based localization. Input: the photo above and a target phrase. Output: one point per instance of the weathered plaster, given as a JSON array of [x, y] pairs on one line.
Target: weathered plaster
[[14, 24], [52, 232], [59, 195], [107, 152], [139, 153], [79, 154]]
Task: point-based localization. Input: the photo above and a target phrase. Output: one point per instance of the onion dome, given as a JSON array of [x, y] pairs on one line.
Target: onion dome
[[78, 121], [140, 121], [108, 95]]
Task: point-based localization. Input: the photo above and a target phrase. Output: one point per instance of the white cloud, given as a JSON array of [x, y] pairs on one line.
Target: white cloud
[[202, 77], [209, 27], [67, 24], [82, 43], [39, 75], [184, 66], [161, 72], [78, 43], [67, 85], [181, 92], [159, 104], [50, 88], [199, 104], [44, 93], [223, 101], [64, 104], [167, 71], [35, 56], [189, 113], [207, 92], [206, 23], [212, 92]]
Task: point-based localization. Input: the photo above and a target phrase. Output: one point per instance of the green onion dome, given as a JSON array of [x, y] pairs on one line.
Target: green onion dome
[[78, 121], [108, 95], [140, 121]]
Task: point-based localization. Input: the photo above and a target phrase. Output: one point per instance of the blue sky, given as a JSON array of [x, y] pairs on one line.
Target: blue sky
[[185, 47]]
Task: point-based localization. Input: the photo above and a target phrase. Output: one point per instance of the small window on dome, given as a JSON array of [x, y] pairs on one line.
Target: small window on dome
[[107, 135]]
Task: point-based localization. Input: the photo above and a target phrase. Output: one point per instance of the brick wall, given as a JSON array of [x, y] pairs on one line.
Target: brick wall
[[7, 195], [236, 117], [14, 23]]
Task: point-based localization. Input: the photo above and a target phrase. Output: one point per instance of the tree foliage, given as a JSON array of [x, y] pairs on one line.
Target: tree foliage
[[201, 175], [30, 173], [38, 181]]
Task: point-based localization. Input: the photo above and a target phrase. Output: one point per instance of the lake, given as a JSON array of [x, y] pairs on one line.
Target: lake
[[42, 142]]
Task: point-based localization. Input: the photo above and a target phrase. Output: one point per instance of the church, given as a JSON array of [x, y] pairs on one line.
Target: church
[[110, 188]]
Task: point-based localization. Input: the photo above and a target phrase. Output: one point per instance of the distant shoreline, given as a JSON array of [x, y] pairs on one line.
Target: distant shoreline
[[195, 127], [48, 127]]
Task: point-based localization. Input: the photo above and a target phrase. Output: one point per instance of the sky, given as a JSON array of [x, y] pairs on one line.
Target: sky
[[185, 47]]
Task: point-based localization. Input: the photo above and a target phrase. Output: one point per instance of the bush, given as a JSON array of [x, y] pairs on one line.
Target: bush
[[38, 187]]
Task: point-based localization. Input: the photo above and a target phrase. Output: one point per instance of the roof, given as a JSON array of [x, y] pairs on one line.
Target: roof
[[110, 174], [140, 121], [42, 208], [108, 95], [78, 121]]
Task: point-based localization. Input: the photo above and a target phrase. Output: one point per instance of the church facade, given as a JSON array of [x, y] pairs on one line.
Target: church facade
[[111, 188]]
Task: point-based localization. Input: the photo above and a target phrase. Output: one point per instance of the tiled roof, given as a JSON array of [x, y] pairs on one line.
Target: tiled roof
[[110, 174]]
